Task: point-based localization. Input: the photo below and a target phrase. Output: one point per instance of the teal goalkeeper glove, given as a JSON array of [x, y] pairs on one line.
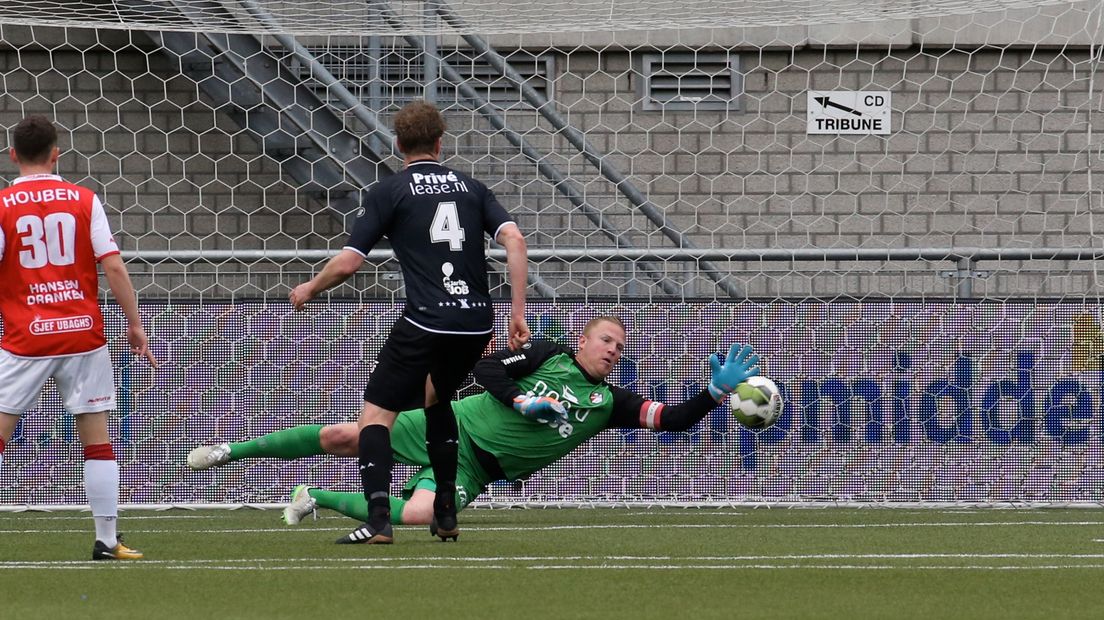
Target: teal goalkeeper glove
[[541, 408], [740, 365]]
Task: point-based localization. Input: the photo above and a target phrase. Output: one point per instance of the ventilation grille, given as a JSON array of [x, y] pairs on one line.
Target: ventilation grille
[[691, 81]]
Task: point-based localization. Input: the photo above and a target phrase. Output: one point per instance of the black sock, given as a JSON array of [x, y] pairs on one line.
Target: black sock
[[442, 440], [375, 471]]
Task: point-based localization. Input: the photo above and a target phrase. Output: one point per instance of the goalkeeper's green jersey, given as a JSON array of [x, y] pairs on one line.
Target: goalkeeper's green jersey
[[523, 446]]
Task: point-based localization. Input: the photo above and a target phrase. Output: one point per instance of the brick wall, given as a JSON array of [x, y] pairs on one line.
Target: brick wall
[[992, 146]]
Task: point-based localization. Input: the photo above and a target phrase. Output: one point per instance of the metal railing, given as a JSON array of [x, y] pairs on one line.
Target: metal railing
[[962, 260]]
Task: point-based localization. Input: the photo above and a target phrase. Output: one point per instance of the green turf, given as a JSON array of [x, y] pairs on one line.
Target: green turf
[[674, 564]]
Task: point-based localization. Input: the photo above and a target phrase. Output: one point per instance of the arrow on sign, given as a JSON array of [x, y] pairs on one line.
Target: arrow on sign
[[828, 103]]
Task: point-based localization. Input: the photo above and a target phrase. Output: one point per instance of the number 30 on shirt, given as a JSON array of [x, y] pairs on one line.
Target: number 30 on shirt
[[47, 240]]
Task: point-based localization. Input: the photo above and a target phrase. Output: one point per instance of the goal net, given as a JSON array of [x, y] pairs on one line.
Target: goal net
[[896, 203]]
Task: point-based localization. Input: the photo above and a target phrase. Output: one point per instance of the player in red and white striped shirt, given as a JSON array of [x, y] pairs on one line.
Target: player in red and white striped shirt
[[52, 236]]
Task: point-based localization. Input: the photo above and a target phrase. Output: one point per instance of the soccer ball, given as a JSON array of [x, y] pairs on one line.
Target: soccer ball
[[756, 403]]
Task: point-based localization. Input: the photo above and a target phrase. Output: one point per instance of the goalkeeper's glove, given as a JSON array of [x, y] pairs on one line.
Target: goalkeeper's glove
[[541, 408], [740, 365]]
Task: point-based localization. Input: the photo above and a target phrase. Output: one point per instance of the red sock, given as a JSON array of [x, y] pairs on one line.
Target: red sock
[[99, 452]]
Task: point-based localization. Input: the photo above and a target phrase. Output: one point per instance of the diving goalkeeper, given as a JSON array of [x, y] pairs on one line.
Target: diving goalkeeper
[[540, 403]]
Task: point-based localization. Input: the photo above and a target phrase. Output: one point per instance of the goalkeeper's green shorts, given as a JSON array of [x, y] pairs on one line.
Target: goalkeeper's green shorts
[[408, 446]]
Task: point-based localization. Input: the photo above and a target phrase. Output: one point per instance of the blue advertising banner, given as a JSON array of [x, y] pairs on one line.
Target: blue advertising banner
[[885, 401]]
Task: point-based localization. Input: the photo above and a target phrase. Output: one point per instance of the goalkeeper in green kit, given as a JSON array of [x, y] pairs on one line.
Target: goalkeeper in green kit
[[540, 403]]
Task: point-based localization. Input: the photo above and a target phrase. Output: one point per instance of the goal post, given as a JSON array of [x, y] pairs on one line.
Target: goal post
[[896, 203]]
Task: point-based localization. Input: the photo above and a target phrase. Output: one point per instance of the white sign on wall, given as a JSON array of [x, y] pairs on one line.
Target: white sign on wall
[[851, 112]]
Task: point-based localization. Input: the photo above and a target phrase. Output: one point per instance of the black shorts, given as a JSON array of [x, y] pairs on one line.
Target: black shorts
[[411, 354]]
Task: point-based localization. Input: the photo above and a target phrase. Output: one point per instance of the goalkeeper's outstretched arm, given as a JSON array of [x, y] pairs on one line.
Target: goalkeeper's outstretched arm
[[634, 411], [631, 410]]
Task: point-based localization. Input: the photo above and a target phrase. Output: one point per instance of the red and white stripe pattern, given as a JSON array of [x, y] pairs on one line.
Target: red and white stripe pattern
[[649, 414]]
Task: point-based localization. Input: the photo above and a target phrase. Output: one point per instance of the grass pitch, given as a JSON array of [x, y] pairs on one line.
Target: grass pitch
[[568, 563]]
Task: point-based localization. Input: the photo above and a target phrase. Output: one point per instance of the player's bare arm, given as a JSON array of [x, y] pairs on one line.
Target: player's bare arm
[[337, 270], [121, 287], [517, 264]]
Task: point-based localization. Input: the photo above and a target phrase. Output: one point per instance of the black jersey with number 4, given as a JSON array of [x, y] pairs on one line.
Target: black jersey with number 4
[[435, 218]]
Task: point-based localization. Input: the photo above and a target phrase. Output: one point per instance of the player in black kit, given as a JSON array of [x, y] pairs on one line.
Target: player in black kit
[[434, 218]]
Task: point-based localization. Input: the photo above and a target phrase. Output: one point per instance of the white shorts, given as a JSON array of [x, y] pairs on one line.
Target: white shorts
[[86, 381]]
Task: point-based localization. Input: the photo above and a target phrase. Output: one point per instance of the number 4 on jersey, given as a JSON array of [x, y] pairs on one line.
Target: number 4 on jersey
[[446, 227]]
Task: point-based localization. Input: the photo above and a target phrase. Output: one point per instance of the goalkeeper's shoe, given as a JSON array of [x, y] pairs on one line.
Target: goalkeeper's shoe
[[101, 551], [206, 457], [302, 504], [368, 535]]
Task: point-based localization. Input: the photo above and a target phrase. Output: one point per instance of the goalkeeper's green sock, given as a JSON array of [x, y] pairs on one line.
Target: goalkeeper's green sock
[[292, 443], [354, 505]]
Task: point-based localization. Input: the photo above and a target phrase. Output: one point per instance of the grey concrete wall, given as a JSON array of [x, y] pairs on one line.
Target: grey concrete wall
[[993, 146]]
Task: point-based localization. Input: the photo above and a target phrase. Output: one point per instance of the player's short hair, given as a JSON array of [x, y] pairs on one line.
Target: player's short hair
[[34, 138], [591, 324], [418, 126]]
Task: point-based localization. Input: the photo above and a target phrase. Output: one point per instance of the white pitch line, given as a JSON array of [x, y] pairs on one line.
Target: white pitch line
[[951, 567], [132, 516], [131, 530], [62, 563], [782, 525], [858, 556], [572, 558], [13, 516], [605, 566], [133, 566], [546, 528], [711, 513]]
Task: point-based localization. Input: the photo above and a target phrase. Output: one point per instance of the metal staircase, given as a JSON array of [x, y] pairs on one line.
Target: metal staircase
[[315, 146], [311, 143]]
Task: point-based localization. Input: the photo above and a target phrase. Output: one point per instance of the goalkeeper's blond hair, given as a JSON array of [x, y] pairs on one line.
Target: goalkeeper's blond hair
[[591, 324]]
